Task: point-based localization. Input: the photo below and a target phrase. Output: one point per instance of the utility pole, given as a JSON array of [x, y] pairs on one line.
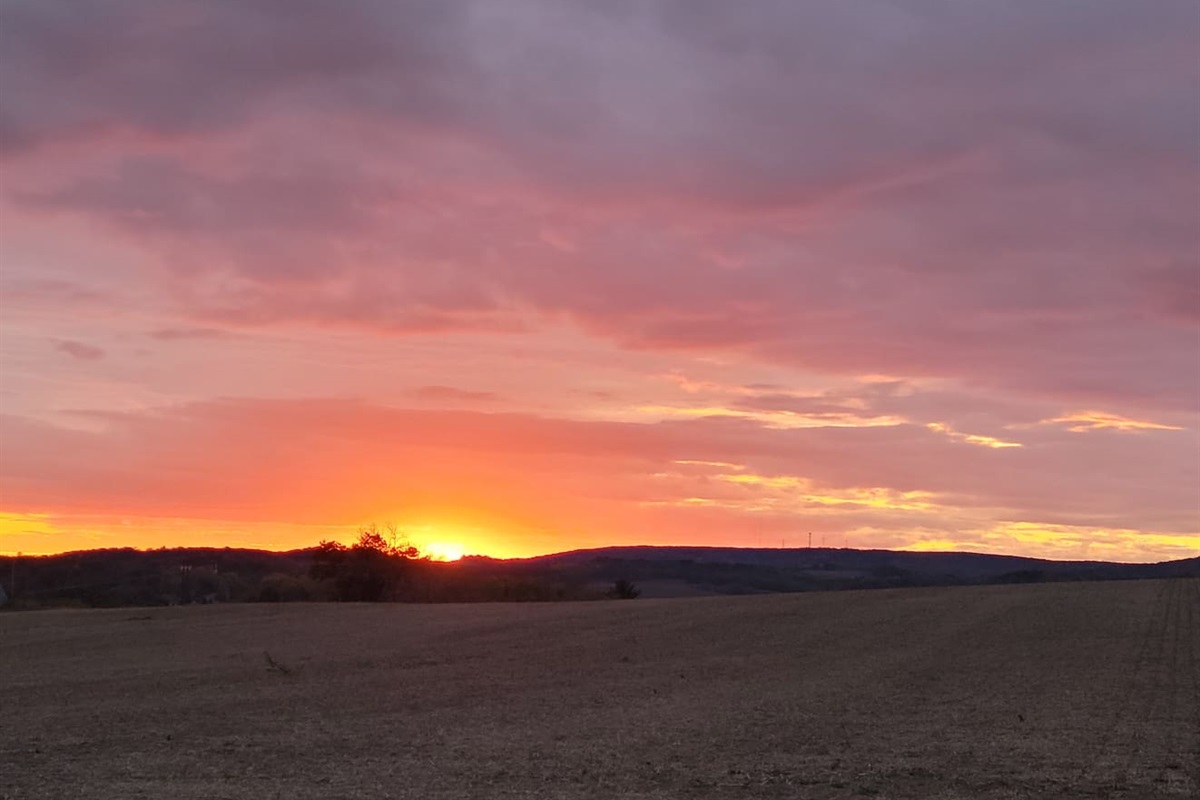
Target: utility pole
[[810, 540]]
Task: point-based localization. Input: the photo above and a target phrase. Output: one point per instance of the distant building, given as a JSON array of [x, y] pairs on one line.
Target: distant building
[[3, 597]]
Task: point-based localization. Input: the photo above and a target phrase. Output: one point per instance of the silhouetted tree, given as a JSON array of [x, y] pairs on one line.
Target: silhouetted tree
[[370, 570]]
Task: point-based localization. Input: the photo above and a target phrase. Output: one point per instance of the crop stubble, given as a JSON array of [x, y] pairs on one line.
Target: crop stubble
[[1053, 690]]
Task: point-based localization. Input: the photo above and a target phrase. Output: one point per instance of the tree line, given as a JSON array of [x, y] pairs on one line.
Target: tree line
[[381, 565]]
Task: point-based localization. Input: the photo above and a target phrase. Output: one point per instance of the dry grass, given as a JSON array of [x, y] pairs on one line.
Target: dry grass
[[1063, 690]]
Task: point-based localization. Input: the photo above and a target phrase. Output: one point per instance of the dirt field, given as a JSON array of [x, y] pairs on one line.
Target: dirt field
[[1057, 690]]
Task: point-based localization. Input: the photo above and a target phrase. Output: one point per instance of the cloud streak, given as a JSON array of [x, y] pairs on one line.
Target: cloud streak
[[80, 350]]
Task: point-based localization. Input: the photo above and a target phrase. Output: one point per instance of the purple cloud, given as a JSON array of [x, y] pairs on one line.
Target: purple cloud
[[450, 395], [80, 350], [184, 334]]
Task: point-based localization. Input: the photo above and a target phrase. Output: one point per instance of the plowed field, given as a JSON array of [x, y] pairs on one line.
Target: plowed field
[[1053, 690]]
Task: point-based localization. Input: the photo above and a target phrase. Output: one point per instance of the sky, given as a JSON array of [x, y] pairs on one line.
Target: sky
[[524, 276]]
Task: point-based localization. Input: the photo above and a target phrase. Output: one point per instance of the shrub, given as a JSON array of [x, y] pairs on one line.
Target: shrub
[[624, 590]]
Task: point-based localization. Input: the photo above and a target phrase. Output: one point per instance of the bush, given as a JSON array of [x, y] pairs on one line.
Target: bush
[[624, 590]]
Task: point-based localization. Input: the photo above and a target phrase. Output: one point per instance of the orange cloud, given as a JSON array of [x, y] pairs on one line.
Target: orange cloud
[[970, 438], [770, 418], [1083, 421], [287, 473], [1067, 542]]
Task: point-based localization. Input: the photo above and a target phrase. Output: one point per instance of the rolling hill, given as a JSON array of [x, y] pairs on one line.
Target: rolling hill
[[165, 577]]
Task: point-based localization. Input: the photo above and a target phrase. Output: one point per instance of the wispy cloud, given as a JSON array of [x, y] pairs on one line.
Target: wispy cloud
[[1083, 421], [80, 350]]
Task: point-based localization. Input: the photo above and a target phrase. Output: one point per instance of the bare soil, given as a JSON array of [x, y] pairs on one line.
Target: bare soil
[[1051, 690]]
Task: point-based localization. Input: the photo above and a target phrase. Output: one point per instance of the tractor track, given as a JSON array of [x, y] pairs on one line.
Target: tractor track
[[1156, 746], [1159, 708], [1193, 633], [1106, 748], [1144, 746]]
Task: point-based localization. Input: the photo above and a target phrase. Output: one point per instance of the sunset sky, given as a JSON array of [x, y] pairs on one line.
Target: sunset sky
[[524, 276]]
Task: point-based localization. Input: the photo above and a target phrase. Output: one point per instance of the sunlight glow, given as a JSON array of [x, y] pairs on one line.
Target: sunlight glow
[[443, 551], [971, 438], [1083, 421], [773, 419], [786, 493], [1047, 540], [691, 462], [804, 491]]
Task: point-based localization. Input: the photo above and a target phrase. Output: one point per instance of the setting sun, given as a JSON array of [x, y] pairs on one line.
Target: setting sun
[[443, 551]]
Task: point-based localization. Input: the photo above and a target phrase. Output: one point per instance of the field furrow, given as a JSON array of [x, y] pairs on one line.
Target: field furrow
[[1001, 692]]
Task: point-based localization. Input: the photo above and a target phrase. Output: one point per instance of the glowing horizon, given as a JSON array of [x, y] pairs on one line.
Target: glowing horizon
[[1045, 542]]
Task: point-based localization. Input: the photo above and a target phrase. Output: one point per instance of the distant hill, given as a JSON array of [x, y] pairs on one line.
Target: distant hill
[[963, 564], [121, 577], [732, 570]]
